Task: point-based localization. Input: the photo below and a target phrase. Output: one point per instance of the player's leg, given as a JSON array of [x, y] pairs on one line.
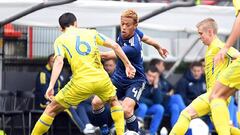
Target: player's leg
[[199, 107], [132, 96], [100, 113], [117, 115], [46, 119], [131, 120], [219, 109], [225, 86], [71, 96], [106, 92]]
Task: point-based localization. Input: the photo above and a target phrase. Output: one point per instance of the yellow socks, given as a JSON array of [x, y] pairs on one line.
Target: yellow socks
[[220, 116], [118, 118], [234, 131], [42, 125], [181, 127]]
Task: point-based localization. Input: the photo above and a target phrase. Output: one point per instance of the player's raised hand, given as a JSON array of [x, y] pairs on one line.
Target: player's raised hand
[[220, 56], [163, 52], [130, 71], [49, 93]]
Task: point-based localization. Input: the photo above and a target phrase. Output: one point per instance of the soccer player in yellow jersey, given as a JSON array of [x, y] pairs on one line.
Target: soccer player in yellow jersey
[[228, 82], [79, 46], [207, 30]]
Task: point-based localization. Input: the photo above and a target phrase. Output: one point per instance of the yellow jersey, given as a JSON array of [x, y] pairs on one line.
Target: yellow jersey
[[236, 4], [79, 47], [212, 72]]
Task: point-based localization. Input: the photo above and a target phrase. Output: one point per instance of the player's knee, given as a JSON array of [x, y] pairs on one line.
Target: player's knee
[[128, 111], [128, 107], [191, 112], [53, 108], [186, 114], [114, 101], [97, 103], [214, 95]]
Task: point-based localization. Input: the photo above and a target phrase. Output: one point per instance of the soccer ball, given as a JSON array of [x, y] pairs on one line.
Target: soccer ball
[[131, 133]]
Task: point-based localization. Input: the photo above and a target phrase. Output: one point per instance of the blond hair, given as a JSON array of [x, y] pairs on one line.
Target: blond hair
[[208, 23], [130, 13]]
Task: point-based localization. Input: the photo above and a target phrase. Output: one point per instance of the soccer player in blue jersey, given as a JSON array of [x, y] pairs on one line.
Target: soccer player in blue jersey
[[128, 90]]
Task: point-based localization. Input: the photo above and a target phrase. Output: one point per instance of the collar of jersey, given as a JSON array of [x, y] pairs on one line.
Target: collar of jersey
[[70, 29], [48, 67], [215, 42]]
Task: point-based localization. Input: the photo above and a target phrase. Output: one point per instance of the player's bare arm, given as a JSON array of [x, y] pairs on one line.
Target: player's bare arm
[[130, 70], [108, 55], [230, 42], [57, 68], [150, 41]]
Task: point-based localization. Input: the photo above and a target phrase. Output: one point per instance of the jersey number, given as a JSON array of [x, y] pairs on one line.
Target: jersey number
[[135, 91], [82, 43]]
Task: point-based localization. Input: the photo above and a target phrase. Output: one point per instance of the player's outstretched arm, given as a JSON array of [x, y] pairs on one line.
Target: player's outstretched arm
[[108, 55], [130, 70], [230, 41], [150, 41], [57, 68]]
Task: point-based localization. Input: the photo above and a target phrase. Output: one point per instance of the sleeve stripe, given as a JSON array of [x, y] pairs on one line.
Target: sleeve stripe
[[67, 51], [59, 52], [101, 37]]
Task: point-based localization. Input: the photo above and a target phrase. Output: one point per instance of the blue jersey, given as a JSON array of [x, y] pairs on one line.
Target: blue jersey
[[133, 49]]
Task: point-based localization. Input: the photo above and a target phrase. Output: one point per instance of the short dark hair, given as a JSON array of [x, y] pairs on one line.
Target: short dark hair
[[67, 19], [113, 59], [154, 62], [152, 68], [196, 64], [202, 60], [49, 56]]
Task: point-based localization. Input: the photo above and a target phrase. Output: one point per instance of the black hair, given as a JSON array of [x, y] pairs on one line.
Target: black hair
[[66, 20], [154, 62], [49, 56], [152, 68], [113, 59], [196, 64], [202, 60]]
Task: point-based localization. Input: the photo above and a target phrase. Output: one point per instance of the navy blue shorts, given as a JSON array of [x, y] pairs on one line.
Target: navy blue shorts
[[133, 91]]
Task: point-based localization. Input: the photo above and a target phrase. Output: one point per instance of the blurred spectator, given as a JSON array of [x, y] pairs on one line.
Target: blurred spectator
[[192, 84], [42, 82], [233, 109], [151, 100], [78, 114], [109, 66], [173, 103]]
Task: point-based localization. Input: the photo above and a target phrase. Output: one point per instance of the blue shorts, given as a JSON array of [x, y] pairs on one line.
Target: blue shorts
[[133, 91]]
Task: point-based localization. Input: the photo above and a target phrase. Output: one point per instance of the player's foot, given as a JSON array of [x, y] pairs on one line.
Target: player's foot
[[89, 129]]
